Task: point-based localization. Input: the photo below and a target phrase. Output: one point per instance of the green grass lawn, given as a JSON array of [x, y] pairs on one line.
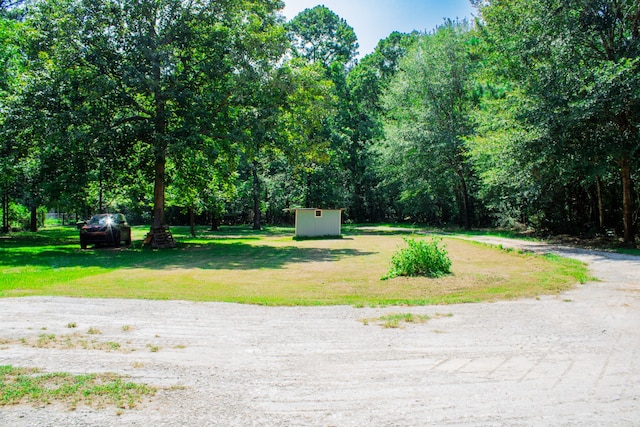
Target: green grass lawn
[[268, 267]]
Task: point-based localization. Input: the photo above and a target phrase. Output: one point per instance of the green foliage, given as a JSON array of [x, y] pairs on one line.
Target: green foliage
[[530, 117], [152, 80], [24, 385], [567, 79], [429, 104], [395, 320], [19, 216], [420, 258], [320, 36]]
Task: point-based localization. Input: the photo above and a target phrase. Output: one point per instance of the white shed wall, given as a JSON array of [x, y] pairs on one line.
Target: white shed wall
[[308, 225]]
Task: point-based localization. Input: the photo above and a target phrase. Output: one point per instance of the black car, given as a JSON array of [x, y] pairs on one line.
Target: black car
[[109, 229]]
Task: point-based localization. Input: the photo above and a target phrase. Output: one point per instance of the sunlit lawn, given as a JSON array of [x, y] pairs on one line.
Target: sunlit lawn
[[269, 267]]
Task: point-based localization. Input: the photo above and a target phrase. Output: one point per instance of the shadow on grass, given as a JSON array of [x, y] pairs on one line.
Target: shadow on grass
[[374, 230], [215, 252]]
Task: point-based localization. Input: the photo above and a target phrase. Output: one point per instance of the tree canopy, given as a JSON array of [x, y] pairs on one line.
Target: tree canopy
[[211, 111], [319, 35]]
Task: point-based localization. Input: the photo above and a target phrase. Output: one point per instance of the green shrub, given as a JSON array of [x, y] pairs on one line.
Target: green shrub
[[420, 258]]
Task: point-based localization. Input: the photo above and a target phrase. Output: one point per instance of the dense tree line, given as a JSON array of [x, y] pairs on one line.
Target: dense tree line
[[527, 117]]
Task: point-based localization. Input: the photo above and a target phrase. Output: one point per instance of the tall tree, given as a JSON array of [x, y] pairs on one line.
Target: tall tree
[[201, 182], [319, 35], [288, 109], [12, 64], [166, 69], [430, 103], [577, 62], [365, 85]]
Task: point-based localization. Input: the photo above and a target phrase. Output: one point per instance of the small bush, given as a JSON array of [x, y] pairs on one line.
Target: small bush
[[420, 258]]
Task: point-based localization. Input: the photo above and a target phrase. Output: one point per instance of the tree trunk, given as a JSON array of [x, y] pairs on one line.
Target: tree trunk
[[627, 201], [600, 203], [5, 211], [256, 197], [214, 222], [268, 215], [160, 236], [158, 192], [33, 224], [100, 196], [307, 190], [465, 201], [192, 221]]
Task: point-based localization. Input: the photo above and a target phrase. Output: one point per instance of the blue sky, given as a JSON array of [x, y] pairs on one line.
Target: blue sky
[[373, 20]]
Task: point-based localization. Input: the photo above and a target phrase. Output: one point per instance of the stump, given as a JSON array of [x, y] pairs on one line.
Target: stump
[[160, 238]]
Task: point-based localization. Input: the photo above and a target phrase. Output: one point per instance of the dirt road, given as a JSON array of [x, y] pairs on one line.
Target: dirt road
[[573, 359]]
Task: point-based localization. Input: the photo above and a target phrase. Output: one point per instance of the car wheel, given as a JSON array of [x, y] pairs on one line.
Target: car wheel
[[116, 239], [83, 244], [128, 240]]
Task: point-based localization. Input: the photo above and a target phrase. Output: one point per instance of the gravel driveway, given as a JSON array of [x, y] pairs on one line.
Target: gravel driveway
[[573, 359]]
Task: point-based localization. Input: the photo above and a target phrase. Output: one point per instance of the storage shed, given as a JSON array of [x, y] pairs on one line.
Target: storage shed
[[313, 222]]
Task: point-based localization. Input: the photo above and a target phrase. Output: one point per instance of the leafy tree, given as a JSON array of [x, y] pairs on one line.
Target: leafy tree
[[287, 111], [163, 71], [12, 9], [365, 85], [577, 64], [202, 182], [430, 103], [319, 35], [12, 64]]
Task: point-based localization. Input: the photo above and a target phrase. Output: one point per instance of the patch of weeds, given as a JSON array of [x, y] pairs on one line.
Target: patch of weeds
[[71, 341], [153, 348], [420, 258], [113, 345], [180, 346], [177, 387], [72, 325], [126, 328], [394, 320], [45, 340], [94, 331], [397, 320], [440, 315], [28, 385]]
